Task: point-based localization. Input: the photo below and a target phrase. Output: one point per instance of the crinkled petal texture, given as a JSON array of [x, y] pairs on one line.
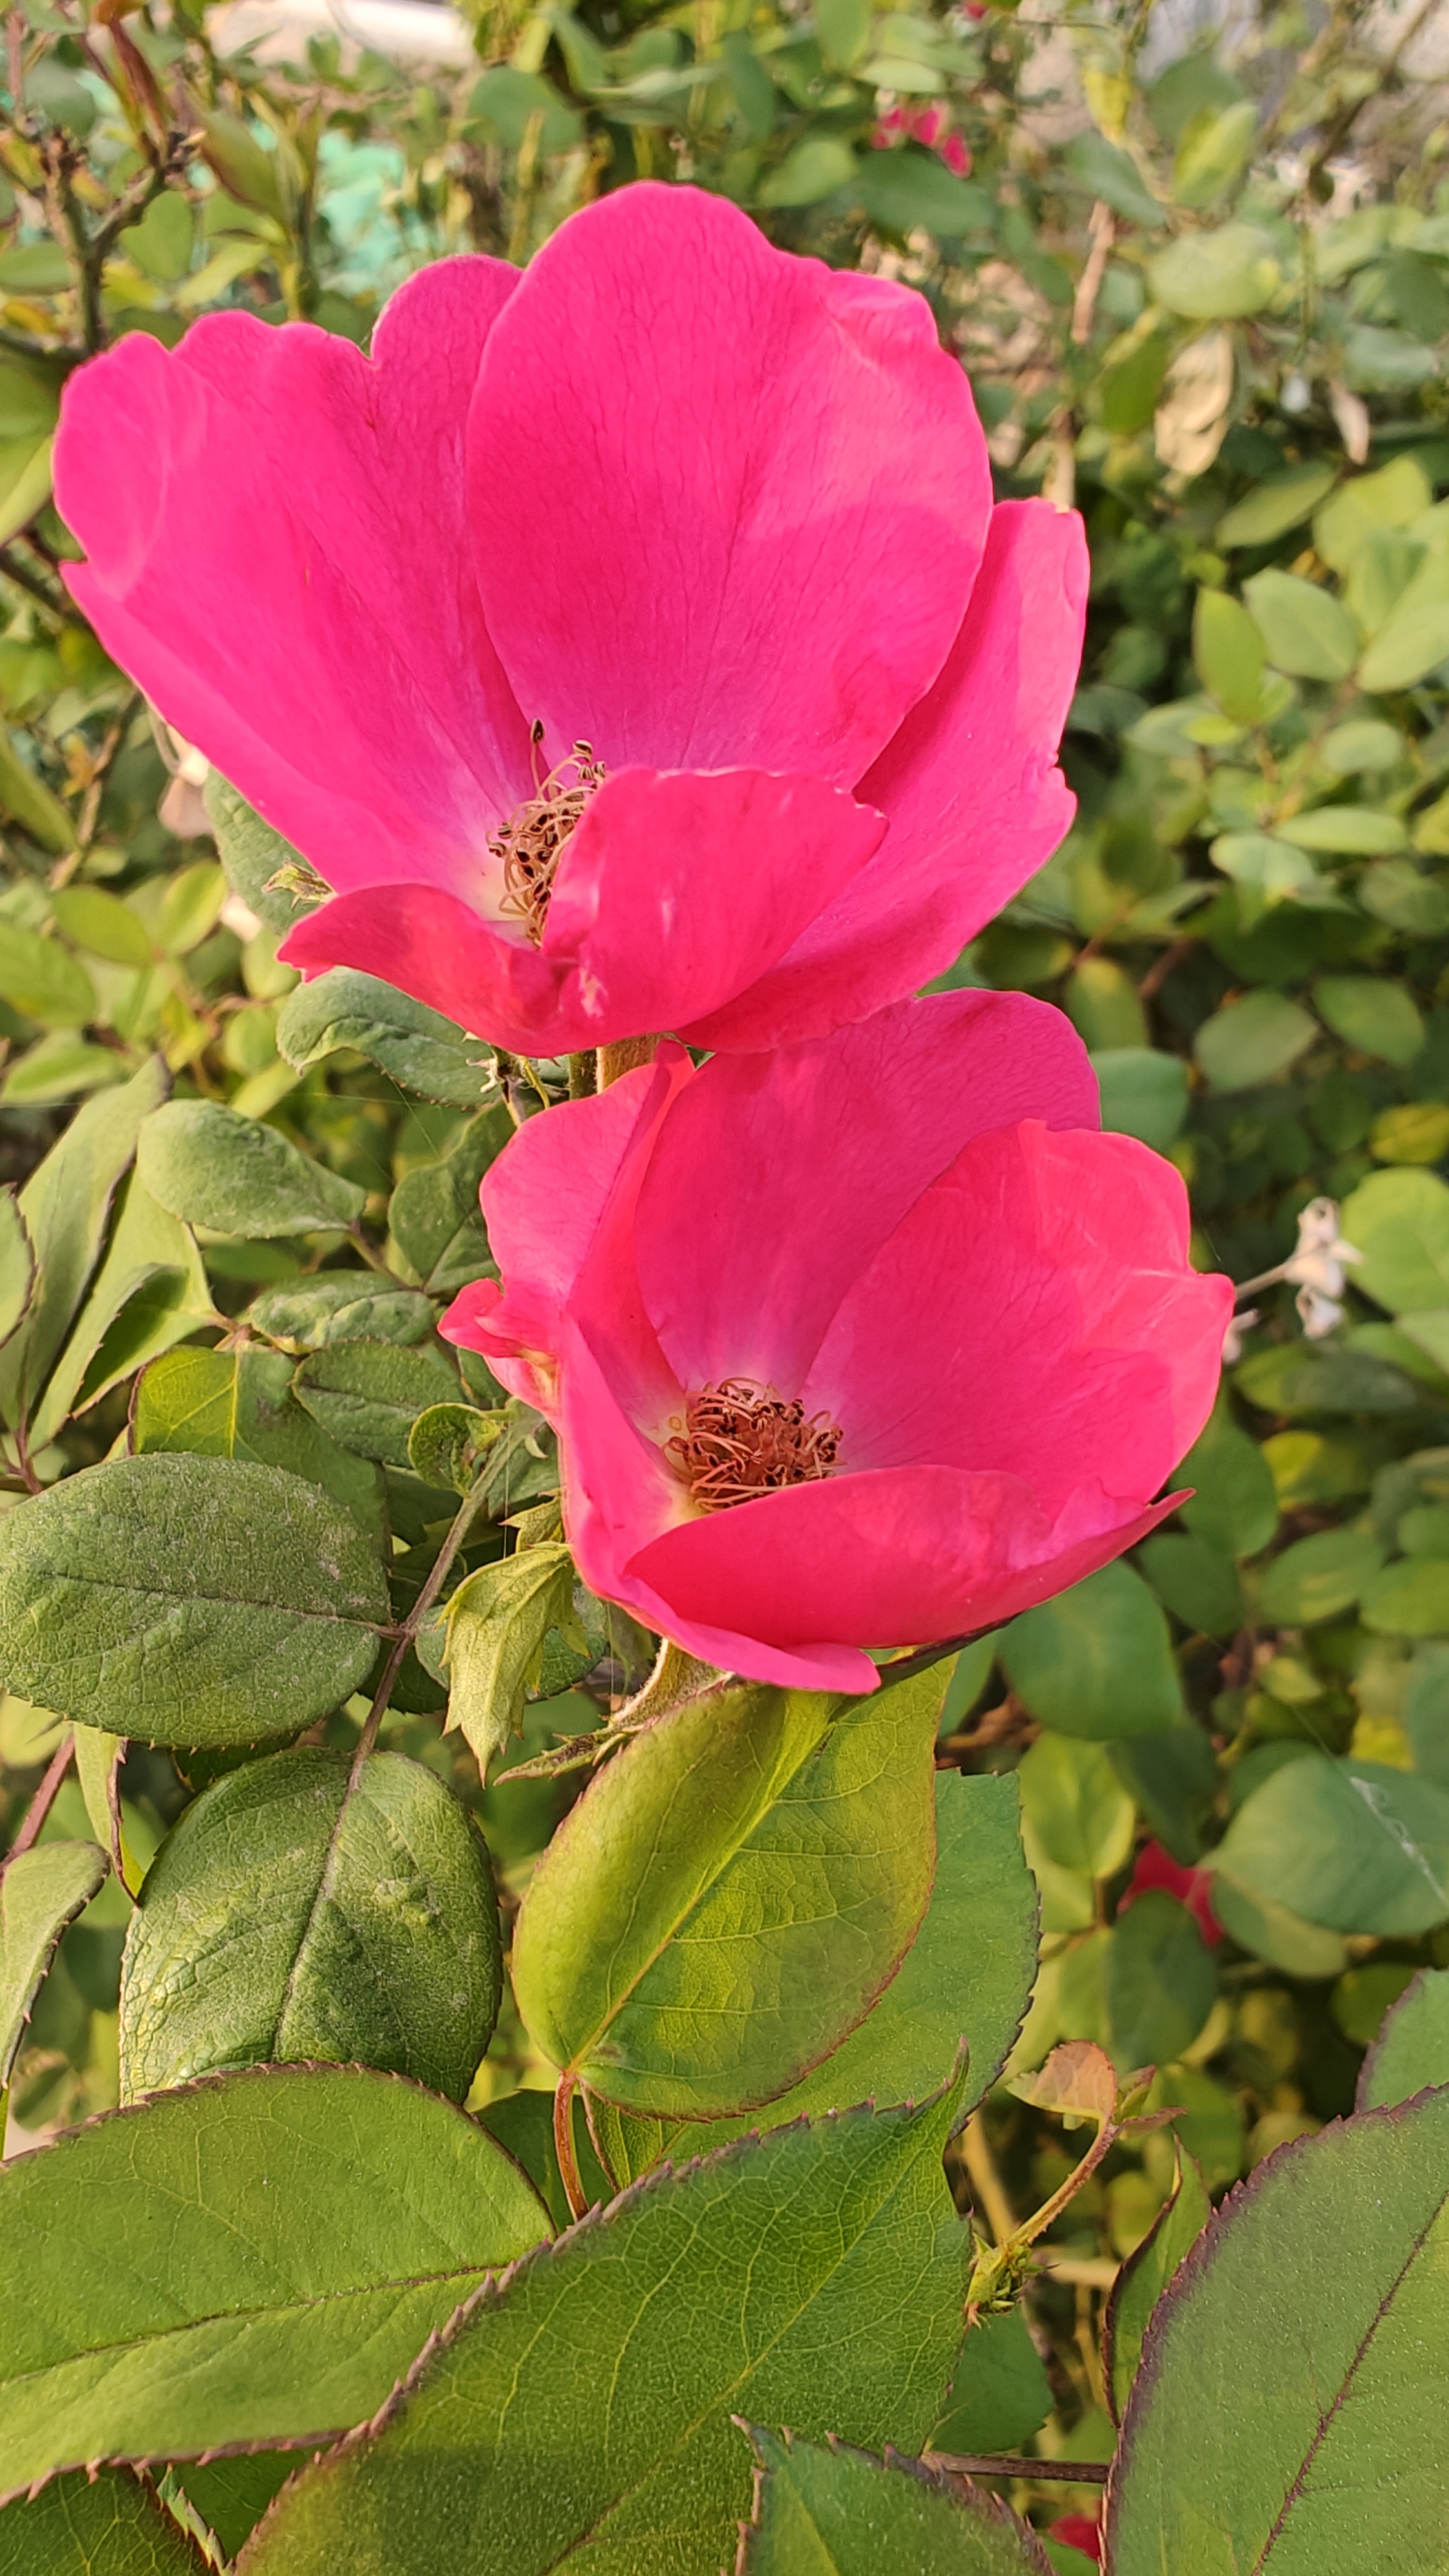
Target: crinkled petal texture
[[913, 1228], [708, 506]]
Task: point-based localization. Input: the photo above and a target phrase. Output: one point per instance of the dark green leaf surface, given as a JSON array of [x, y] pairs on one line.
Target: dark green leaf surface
[[1000, 2395], [823, 2509], [1288, 2413], [966, 1976], [254, 2260], [215, 1168], [110, 2526], [65, 1205], [238, 1403], [1412, 2048], [434, 1214], [368, 1395], [296, 1913], [1146, 2273], [187, 1600], [729, 1896], [492, 1644], [1160, 1983], [579, 2414], [418, 1047], [17, 1265], [341, 1306], [1097, 1661], [1353, 1846], [252, 853], [41, 1890]]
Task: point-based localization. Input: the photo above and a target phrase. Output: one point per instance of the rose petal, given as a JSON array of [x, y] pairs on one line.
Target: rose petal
[[728, 503]]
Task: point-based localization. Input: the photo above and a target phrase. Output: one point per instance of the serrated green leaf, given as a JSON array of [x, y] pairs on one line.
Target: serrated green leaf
[[581, 2409], [292, 2236], [17, 1265], [252, 853], [297, 1911], [340, 1306], [421, 1050], [728, 1897], [1097, 1661], [1411, 2051], [494, 1627], [368, 1395], [434, 1213], [214, 1168], [1350, 1845], [449, 1444], [148, 1294], [187, 1600], [967, 1976], [837, 2511], [1147, 2272], [41, 1891], [65, 1205], [1000, 2395], [238, 1403], [1311, 2312], [109, 2525]]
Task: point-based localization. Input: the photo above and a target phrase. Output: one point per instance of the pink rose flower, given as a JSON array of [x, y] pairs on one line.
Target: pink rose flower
[[719, 515], [870, 1342]]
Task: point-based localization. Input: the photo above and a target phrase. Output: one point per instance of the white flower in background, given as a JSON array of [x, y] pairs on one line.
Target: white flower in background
[[1316, 1269]]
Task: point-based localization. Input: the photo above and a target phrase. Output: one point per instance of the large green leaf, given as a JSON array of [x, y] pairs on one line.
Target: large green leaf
[[1288, 2415], [1233, 1505], [148, 1294], [41, 1891], [111, 2525], [297, 1911], [729, 1896], [1000, 2393], [1399, 1221], [1146, 2273], [418, 1047], [1412, 2048], [209, 1165], [1097, 1661], [434, 1211], [1160, 1983], [580, 2411], [252, 854], [238, 1403], [966, 1976], [368, 1395], [340, 1306], [254, 2260], [187, 1600], [65, 1205], [1351, 1845], [824, 2509]]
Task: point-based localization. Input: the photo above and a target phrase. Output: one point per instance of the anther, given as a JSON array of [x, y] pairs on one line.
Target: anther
[[739, 1440], [532, 842]]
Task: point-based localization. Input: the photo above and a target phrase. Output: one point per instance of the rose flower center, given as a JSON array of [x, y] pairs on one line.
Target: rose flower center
[[533, 840], [739, 1439]]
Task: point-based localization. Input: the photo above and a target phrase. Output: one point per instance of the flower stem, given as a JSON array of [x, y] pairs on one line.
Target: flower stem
[[624, 1056]]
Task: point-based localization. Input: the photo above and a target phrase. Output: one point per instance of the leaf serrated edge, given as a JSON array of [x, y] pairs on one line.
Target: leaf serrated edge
[[1199, 2258], [961, 2491], [493, 2290]]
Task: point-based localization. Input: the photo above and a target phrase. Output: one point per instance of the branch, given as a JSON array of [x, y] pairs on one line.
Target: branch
[[43, 1800], [452, 1543], [1010, 2464]]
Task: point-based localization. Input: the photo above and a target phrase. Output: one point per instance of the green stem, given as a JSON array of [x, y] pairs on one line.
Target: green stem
[[466, 1514]]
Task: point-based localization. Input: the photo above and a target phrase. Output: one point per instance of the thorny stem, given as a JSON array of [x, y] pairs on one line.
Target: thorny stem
[[563, 2140], [43, 1800], [466, 1514], [1011, 2464]]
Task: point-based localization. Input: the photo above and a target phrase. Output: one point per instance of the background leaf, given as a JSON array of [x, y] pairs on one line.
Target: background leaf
[[41, 1891], [214, 1168], [828, 2506], [1412, 2048], [109, 2525]]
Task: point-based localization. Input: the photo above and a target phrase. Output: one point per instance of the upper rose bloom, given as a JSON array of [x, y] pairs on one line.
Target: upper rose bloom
[[867, 1343], [630, 642]]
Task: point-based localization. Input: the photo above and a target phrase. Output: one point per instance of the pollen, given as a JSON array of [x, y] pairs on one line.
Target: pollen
[[533, 840], [739, 1440]]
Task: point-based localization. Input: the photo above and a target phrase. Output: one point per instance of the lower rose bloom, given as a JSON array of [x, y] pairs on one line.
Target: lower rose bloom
[[868, 1342]]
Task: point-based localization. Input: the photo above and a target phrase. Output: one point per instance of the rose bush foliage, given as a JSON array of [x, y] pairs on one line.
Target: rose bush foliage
[[1226, 1749]]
